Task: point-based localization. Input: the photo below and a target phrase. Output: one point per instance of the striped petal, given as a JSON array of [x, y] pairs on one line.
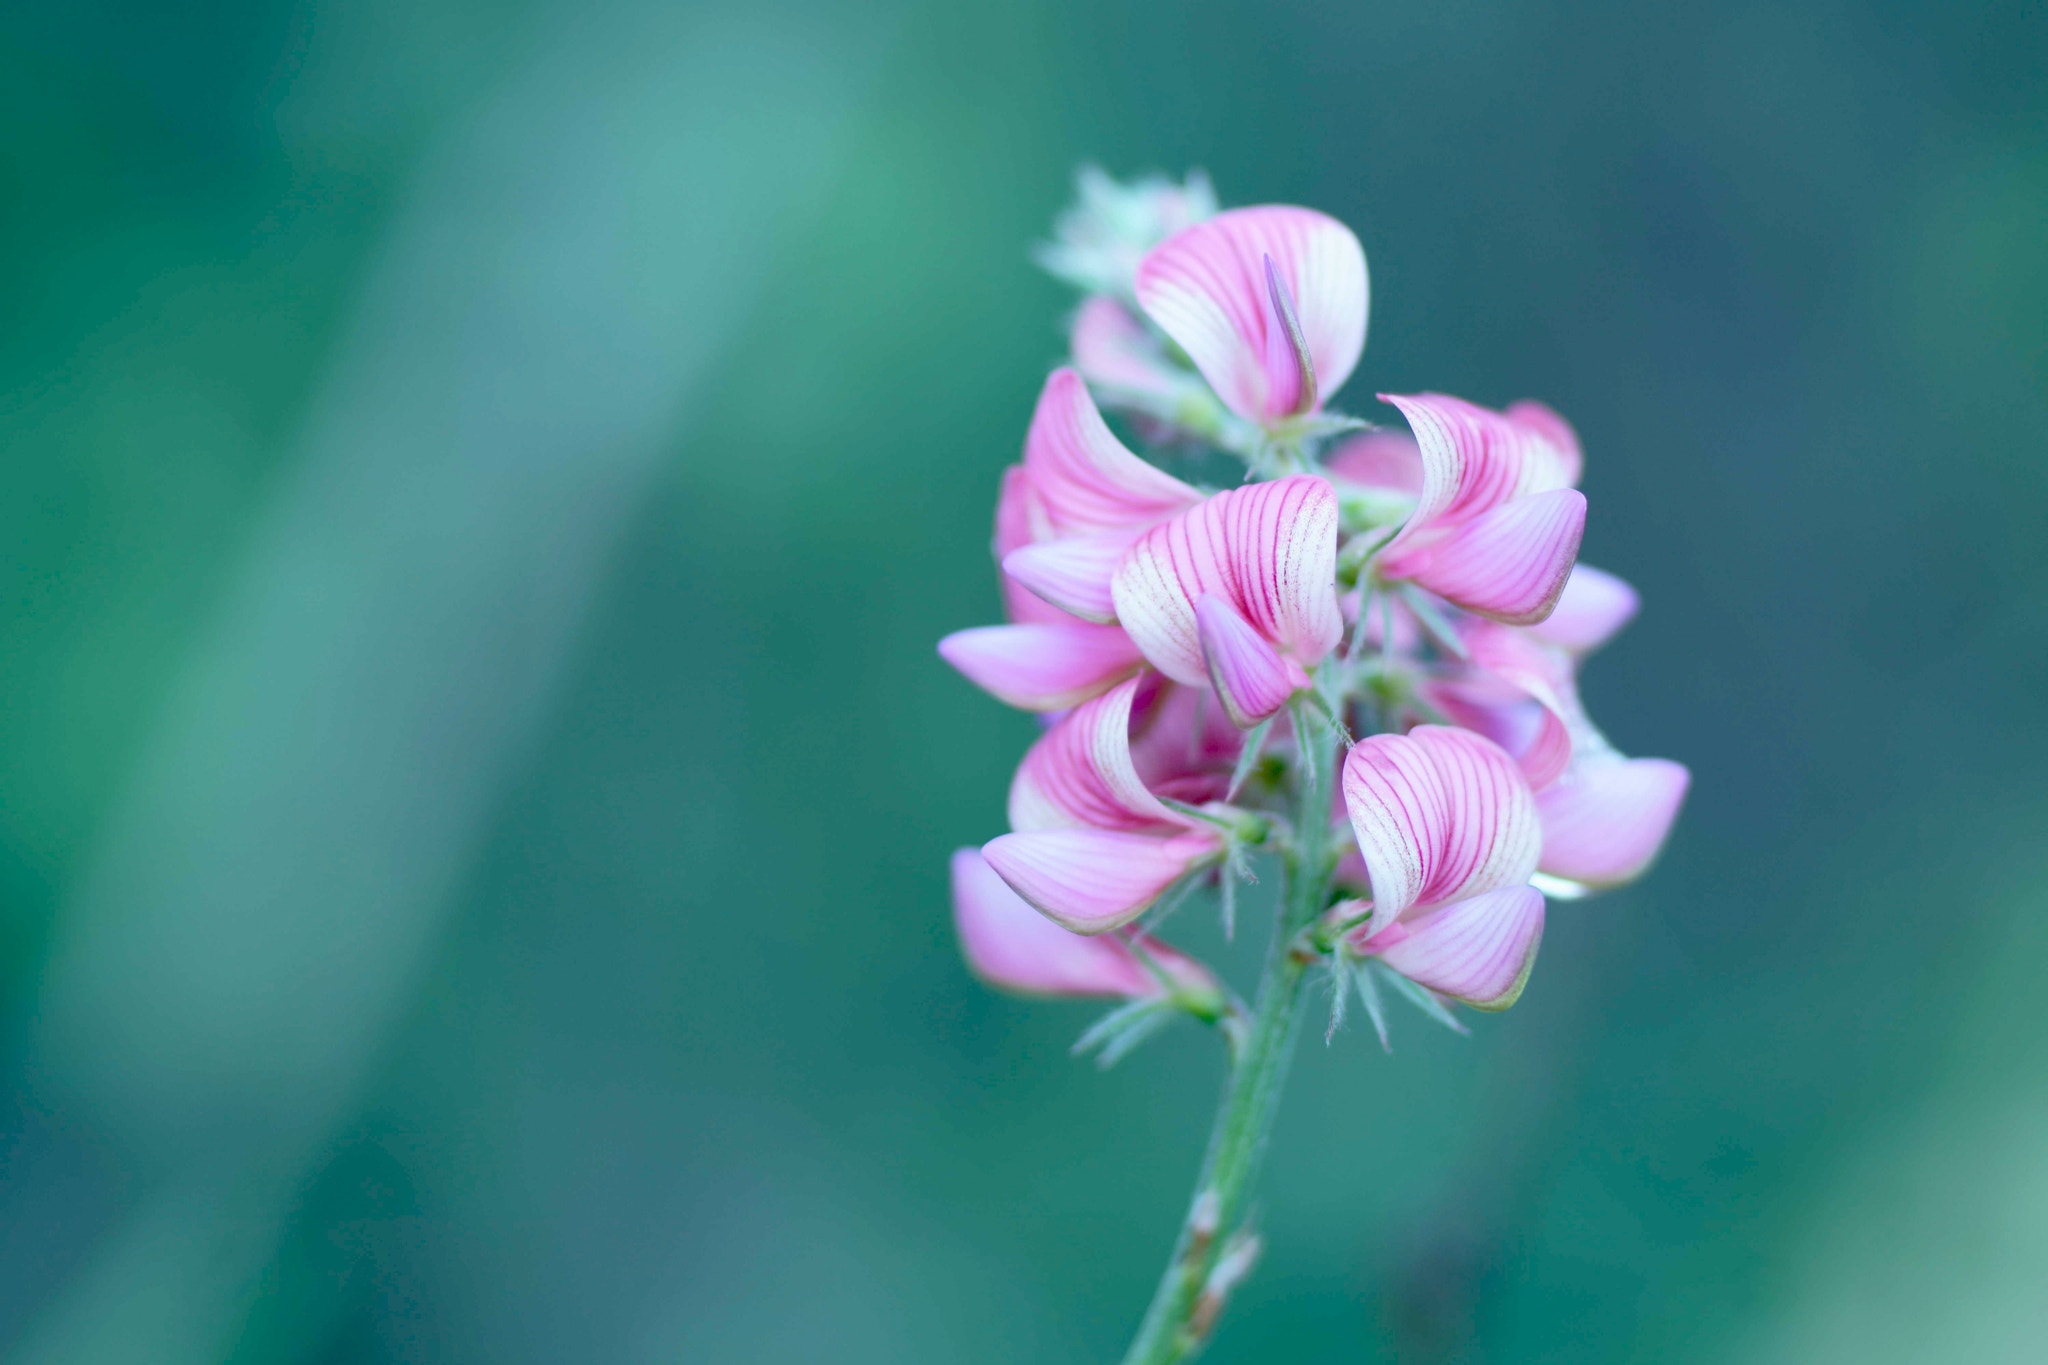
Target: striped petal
[[1013, 947], [1095, 880], [1478, 950], [1593, 607], [1606, 821], [1043, 667], [1084, 477], [1251, 678], [1473, 460], [1208, 287], [1269, 550], [1508, 564], [1072, 574], [1543, 422], [1440, 814], [1080, 773]]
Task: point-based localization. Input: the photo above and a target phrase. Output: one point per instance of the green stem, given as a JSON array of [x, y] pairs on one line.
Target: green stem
[[1178, 1323]]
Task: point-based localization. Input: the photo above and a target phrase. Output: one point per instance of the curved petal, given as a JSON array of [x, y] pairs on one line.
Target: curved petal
[[1080, 774], [1606, 821], [1252, 679], [1508, 564], [1072, 574], [1267, 549], [1533, 731], [1043, 667], [1113, 351], [1478, 950], [1439, 814], [1085, 478], [1473, 460], [1568, 460], [1020, 520], [1010, 945], [1095, 880], [1383, 459], [1592, 608], [1207, 288]]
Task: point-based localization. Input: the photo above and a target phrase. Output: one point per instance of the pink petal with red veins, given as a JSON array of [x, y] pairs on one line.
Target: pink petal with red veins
[[1478, 950], [1251, 678], [1267, 549], [1473, 460], [1592, 608], [1072, 574], [1388, 460], [1509, 564], [1113, 350], [1207, 288], [1043, 667], [1080, 774], [1439, 814], [1095, 880], [1606, 821], [1085, 478]]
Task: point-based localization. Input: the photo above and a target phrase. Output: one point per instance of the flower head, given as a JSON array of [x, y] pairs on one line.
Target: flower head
[[1497, 523], [1238, 592], [1270, 303]]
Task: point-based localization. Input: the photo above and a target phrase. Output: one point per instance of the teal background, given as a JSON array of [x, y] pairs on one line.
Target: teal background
[[482, 484]]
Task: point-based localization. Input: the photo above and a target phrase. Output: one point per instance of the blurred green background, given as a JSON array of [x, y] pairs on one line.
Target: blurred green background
[[482, 486]]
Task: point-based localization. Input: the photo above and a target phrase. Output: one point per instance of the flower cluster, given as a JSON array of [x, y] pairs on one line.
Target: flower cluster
[[1202, 657]]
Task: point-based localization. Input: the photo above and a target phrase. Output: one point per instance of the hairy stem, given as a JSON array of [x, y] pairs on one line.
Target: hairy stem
[[1178, 1323]]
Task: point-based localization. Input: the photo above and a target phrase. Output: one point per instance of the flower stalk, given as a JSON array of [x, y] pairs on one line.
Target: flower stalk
[[1179, 1322]]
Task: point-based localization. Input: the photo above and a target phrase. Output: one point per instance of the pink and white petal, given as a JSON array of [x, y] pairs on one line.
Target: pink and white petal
[[1461, 474], [1251, 678], [1268, 549], [1043, 667], [1020, 520], [1085, 478], [1399, 815], [1478, 950], [1283, 560], [1386, 459], [1605, 823], [1072, 574], [1207, 288], [1509, 564], [1013, 947], [1094, 880], [1491, 834], [1113, 351], [1563, 459], [1080, 774], [1533, 733], [1594, 606]]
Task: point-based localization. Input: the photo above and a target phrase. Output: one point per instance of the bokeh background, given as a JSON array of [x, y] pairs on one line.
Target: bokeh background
[[482, 483]]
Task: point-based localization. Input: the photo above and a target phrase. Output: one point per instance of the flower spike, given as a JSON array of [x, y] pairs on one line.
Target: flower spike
[[1271, 340]]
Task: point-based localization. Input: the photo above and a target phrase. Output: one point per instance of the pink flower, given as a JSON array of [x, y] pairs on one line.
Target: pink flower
[[1497, 523], [1239, 592], [1270, 303], [1449, 833], [1081, 500], [1605, 815], [1077, 500], [1115, 352], [1011, 946], [1093, 845]]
